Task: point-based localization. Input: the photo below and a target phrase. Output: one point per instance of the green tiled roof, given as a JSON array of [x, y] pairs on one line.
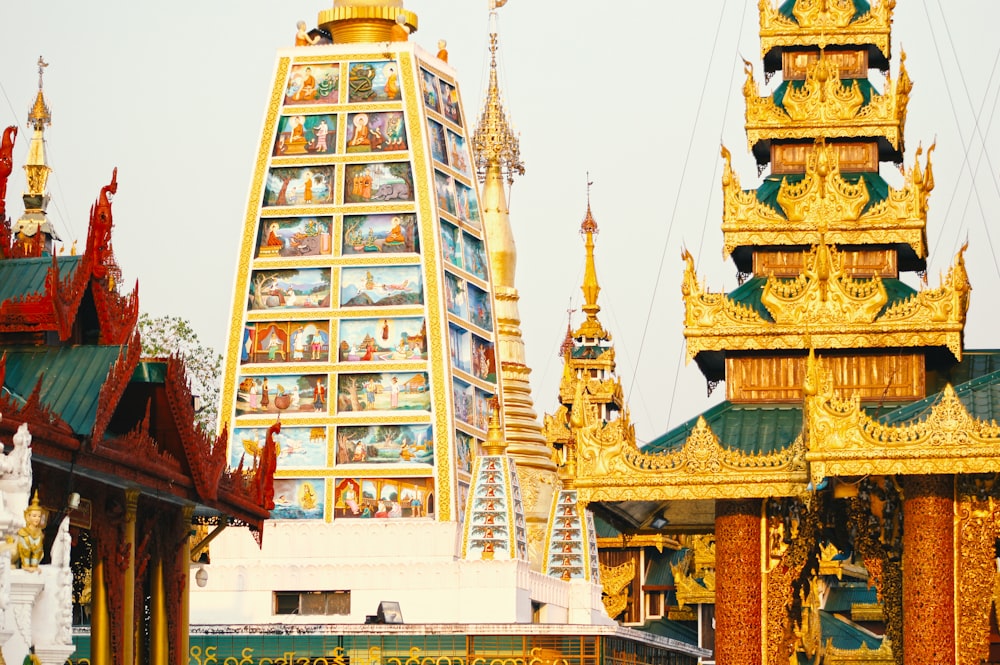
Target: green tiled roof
[[980, 396], [845, 634], [588, 352], [878, 188], [975, 363], [72, 377], [861, 7], [752, 429], [21, 277], [749, 293], [671, 629], [659, 573], [604, 529], [841, 598]]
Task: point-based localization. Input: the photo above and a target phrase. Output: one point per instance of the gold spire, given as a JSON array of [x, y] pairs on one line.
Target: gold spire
[[36, 167], [498, 158], [495, 443], [366, 21], [591, 328]]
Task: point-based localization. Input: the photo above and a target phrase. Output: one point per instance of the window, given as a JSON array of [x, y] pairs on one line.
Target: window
[[312, 602]]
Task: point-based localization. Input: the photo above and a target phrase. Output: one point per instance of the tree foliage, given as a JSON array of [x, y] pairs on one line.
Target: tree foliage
[[163, 336]]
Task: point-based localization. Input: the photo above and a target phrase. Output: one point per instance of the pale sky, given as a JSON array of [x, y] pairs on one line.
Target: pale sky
[[637, 92]]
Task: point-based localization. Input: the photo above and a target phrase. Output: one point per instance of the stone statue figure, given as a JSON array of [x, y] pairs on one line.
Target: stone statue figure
[[30, 539]]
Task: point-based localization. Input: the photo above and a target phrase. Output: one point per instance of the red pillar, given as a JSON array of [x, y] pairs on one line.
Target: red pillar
[[738, 631], [928, 570]]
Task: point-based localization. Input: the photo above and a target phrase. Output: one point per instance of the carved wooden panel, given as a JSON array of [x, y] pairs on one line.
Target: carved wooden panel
[[853, 157], [857, 263], [895, 377], [853, 64]]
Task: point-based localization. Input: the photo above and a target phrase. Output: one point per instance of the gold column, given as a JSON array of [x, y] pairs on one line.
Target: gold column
[[738, 632], [159, 634], [100, 621], [928, 570], [184, 559], [128, 587]]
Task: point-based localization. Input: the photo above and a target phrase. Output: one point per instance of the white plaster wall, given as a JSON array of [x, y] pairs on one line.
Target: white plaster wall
[[412, 562]]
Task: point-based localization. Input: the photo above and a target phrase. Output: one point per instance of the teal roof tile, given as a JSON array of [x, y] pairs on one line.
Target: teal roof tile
[[974, 364], [671, 629], [845, 634], [22, 277], [752, 429], [72, 377], [980, 396], [841, 598]]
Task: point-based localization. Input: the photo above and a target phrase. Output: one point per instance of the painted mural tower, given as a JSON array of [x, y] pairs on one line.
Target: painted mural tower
[[363, 361]]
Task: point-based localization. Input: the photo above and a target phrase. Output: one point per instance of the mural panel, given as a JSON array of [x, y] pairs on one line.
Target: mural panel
[[449, 103], [386, 498], [484, 365], [369, 234], [480, 311], [299, 499], [460, 344], [305, 135], [451, 243], [299, 186], [455, 296], [385, 444], [465, 446], [429, 91], [444, 188], [439, 149], [484, 409], [305, 288], [464, 398], [457, 154], [382, 340], [381, 286], [376, 132], [389, 182], [285, 342], [386, 391], [313, 84], [465, 203], [290, 394], [475, 255], [373, 82], [293, 237], [298, 447]]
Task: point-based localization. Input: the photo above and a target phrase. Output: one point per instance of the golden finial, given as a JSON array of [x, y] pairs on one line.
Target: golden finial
[[366, 21], [39, 117], [495, 443], [588, 229], [494, 142]]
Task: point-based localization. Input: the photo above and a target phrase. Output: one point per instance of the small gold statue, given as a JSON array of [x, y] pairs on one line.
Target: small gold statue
[[442, 50], [30, 538]]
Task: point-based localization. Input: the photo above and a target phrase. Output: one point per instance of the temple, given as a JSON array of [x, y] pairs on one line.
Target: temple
[[839, 506], [105, 442], [419, 510]]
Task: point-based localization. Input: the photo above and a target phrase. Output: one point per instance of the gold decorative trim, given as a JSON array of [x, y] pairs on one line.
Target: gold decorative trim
[[845, 441], [826, 309], [824, 106], [607, 465], [615, 584], [824, 200], [862, 656], [825, 24]]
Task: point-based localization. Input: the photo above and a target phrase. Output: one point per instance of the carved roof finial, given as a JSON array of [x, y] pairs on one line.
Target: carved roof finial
[[40, 116], [495, 443], [592, 327], [494, 142]]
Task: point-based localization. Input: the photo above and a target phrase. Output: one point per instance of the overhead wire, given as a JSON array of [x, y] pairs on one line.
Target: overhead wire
[[677, 198], [958, 124]]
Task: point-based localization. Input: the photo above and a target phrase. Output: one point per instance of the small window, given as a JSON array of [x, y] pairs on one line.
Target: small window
[[312, 602]]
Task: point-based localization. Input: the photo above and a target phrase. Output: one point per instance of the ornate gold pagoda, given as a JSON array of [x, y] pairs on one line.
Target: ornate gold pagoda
[[498, 160], [33, 232], [843, 458]]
